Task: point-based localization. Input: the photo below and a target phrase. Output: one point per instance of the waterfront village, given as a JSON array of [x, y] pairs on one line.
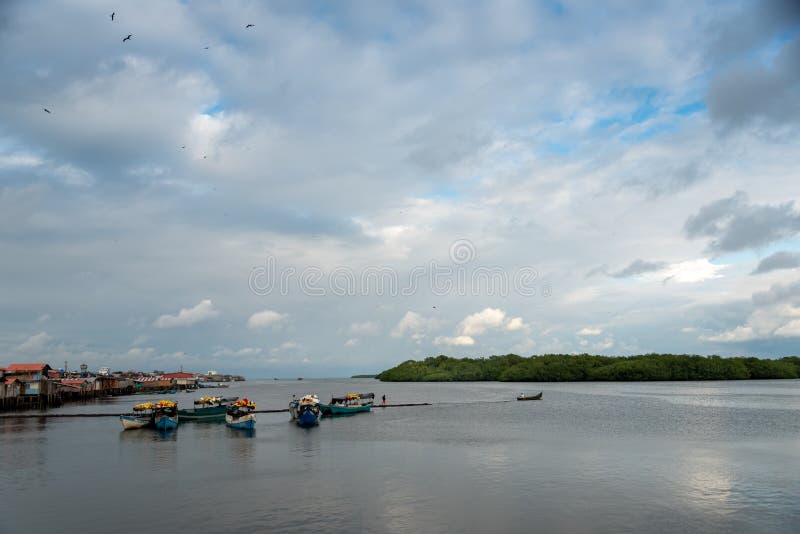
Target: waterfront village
[[37, 385]]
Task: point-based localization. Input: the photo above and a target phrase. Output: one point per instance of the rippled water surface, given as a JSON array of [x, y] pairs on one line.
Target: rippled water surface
[[601, 457]]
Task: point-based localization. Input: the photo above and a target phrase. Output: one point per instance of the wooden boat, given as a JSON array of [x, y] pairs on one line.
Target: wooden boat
[[306, 410], [240, 415], [165, 415], [207, 409], [141, 417], [349, 404], [523, 397]]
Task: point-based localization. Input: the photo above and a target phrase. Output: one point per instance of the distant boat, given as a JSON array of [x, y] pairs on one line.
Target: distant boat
[[305, 410], [165, 415], [240, 415], [207, 409], [349, 404], [523, 397], [141, 417]]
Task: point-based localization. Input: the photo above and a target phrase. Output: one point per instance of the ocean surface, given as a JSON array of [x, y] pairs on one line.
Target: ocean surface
[[589, 457]]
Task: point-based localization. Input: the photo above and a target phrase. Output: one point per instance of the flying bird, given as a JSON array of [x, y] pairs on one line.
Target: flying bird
[[249, 26], [183, 146], [128, 38], [205, 48], [112, 15], [46, 110]]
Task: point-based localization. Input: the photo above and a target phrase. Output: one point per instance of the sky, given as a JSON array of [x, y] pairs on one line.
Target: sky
[[347, 185]]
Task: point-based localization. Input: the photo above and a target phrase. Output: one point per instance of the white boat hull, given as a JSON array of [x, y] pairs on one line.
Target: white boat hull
[[132, 423]]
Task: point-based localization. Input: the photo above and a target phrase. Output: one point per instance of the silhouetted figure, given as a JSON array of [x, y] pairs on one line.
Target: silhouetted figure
[[112, 15], [249, 26], [128, 38]]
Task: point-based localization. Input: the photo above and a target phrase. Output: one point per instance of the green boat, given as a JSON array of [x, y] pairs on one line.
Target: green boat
[[349, 404], [207, 409]]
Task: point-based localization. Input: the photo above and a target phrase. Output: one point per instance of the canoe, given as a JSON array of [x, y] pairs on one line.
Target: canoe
[[165, 414], [241, 415], [306, 410], [522, 397], [309, 417], [340, 409], [166, 422], [243, 422], [210, 413], [132, 422]]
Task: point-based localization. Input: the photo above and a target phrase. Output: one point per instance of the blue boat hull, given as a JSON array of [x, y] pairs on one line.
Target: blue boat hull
[[247, 422], [307, 418], [165, 422]]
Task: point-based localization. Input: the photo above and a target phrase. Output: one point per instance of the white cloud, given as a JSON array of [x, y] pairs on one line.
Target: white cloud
[[352, 342], [188, 316], [688, 272], [368, 328], [515, 324], [455, 341], [240, 353], [480, 322], [588, 331], [265, 318], [35, 343], [415, 326], [740, 333], [286, 346], [139, 352]]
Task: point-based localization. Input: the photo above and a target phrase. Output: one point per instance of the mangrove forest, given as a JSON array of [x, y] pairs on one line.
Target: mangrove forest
[[586, 367]]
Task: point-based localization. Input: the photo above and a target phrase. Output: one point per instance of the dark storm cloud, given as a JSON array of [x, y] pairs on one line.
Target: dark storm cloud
[[639, 267], [778, 293], [749, 25], [754, 92], [779, 260], [734, 224]]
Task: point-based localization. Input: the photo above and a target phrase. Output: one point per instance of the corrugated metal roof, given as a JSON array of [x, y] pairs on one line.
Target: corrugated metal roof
[[179, 375], [27, 366]]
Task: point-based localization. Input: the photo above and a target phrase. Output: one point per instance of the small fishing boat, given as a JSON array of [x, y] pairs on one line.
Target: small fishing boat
[[240, 415], [523, 397], [165, 415], [349, 404], [207, 409], [306, 410], [141, 417]]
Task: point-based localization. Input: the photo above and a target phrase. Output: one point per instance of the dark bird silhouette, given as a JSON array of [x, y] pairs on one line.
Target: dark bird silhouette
[[112, 15], [128, 38], [205, 48], [183, 146], [249, 26], [434, 307], [204, 157], [46, 110]]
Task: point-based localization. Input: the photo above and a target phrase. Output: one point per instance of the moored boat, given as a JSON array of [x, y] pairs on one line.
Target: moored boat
[[523, 397], [307, 410], [141, 417], [349, 404], [240, 414], [207, 409], [165, 415]]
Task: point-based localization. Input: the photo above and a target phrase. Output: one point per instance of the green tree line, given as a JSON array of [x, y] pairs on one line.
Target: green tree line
[[586, 367]]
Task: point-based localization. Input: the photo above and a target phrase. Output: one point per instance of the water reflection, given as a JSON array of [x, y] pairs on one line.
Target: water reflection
[[242, 443]]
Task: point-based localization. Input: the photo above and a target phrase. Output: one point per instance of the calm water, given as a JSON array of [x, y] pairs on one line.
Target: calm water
[[621, 457]]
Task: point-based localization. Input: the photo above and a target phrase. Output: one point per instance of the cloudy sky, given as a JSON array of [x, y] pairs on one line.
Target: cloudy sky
[[347, 185]]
